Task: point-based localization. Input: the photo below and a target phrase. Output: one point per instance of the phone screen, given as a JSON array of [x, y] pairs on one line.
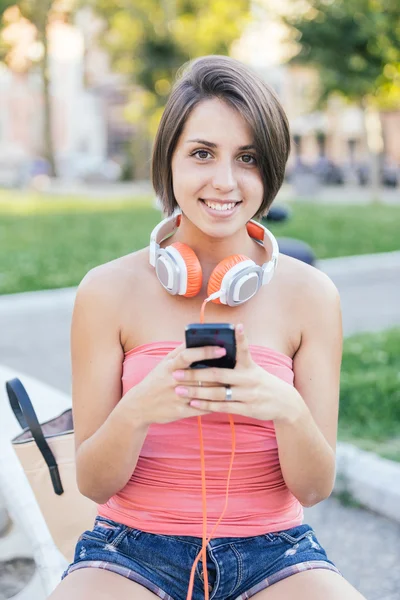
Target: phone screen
[[212, 334]]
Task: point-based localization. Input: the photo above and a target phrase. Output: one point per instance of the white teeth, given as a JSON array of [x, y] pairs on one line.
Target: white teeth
[[218, 206]]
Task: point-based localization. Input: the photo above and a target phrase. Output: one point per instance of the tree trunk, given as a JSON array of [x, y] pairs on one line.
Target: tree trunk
[[48, 110], [373, 132], [41, 20]]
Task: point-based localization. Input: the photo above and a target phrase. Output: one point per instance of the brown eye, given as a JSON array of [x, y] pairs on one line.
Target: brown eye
[[202, 154], [248, 159]]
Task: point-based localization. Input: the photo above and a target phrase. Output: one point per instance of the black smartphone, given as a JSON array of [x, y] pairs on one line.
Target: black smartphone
[[212, 334]]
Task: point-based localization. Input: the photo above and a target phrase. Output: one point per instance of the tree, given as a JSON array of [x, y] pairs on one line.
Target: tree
[[148, 40], [40, 14], [355, 46]]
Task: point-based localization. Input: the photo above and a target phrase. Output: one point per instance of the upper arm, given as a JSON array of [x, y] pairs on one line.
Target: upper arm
[[318, 360], [96, 354]]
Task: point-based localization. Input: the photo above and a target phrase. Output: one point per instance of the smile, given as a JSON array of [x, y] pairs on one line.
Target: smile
[[221, 209]]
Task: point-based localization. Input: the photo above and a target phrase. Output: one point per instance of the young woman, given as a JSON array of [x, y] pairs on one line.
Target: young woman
[[218, 162]]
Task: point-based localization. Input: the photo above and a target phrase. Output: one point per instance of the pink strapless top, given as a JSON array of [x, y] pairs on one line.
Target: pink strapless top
[[163, 495]]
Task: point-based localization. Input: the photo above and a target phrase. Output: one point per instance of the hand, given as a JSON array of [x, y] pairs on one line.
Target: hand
[[155, 398], [255, 392]]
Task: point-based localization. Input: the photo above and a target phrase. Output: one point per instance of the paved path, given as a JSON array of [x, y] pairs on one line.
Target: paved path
[[35, 333], [366, 547], [369, 288]]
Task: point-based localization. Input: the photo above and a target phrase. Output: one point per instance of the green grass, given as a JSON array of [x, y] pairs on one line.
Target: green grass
[[27, 203], [344, 230], [369, 414], [50, 242], [55, 244]]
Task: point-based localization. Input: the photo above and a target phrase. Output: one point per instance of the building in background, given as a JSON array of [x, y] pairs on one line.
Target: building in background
[[338, 132], [79, 113], [92, 135]]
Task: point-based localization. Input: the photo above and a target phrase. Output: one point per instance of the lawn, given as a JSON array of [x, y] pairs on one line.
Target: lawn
[[369, 414], [52, 242]]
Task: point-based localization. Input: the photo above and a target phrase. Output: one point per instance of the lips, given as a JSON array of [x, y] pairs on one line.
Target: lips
[[219, 213], [218, 201]]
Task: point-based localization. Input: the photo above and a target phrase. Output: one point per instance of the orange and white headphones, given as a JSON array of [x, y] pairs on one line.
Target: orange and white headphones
[[234, 280]]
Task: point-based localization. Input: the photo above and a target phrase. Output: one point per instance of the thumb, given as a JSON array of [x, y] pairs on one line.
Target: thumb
[[242, 347], [176, 351]]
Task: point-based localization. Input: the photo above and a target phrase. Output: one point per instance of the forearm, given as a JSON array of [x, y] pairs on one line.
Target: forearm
[[307, 460], [106, 460]]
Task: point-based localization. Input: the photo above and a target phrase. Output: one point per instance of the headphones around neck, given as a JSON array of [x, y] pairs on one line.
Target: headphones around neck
[[234, 280]]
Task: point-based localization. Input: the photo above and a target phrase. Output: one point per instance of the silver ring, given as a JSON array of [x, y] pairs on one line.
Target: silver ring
[[228, 393], [199, 383]]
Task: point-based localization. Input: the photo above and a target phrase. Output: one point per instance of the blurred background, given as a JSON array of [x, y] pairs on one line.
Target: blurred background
[[83, 84], [82, 88]]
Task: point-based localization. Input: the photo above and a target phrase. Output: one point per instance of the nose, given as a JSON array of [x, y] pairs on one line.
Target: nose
[[224, 176]]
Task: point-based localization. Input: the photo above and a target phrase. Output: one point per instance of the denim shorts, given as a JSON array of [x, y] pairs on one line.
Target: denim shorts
[[237, 568]]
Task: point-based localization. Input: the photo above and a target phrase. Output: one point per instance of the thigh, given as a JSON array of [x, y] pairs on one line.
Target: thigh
[[311, 585], [98, 584]]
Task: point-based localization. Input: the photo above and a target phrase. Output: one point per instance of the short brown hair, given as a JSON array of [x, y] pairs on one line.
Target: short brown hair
[[229, 80]]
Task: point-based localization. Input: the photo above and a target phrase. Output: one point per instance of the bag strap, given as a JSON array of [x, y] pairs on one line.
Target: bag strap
[[25, 414]]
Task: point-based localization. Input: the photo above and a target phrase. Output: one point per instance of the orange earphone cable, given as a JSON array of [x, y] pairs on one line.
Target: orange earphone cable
[[205, 542], [203, 551], [204, 504], [202, 310]]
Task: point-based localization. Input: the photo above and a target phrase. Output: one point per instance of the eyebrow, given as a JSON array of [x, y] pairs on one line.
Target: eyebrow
[[213, 145]]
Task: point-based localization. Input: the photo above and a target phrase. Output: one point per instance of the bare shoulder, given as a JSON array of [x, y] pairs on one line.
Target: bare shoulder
[[311, 284], [105, 296], [312, 291], [111, 282]]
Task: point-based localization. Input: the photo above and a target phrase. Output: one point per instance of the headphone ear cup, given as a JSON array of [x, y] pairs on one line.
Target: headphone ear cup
[[222, 268], [193, 269]]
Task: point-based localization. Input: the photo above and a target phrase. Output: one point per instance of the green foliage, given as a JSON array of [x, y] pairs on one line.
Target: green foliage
[[34, 11], [4, 4], [39, 12], [370, 386], [149, 40], [354, 44]]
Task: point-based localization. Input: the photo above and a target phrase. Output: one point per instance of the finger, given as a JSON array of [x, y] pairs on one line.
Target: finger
[[214, 394], [234, 408], [195, 412], [209, 375], [242, 347], [190, 355], [177, 351]]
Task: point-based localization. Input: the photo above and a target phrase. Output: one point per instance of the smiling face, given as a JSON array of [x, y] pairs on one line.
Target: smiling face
[[216, 179]]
